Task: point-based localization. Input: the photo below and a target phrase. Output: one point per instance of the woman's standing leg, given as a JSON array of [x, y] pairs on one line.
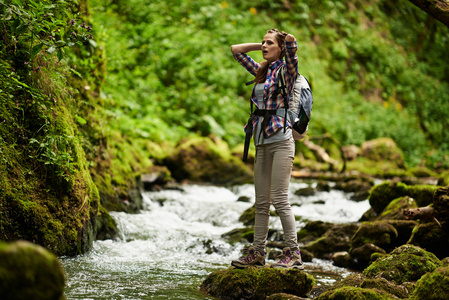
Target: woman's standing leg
[[262, 182]]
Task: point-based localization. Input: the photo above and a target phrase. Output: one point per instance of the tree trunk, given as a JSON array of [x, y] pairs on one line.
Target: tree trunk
[[423, 213], [439, 9]]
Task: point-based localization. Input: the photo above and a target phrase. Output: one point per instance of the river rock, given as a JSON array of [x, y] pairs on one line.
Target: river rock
[[383, 149], [336, 239], [394, 209], [379, 233], [354, 293], [404, 264], [29, 271], [255, 283], [381, 195], [432, 286], [432, 237], [203, 159]]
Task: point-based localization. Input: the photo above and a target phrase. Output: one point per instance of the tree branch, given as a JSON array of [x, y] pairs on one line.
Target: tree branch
[[439, 9]]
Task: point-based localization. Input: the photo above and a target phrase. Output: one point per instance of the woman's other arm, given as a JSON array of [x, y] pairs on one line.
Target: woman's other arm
[[245, 48]]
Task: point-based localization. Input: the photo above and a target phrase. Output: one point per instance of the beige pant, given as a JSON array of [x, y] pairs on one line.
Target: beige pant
[[272, 173]]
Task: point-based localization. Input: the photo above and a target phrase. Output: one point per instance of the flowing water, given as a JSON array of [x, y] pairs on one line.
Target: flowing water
[[164, 252]]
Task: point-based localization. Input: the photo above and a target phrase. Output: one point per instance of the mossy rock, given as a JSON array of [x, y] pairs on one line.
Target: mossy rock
[[441, 203], [404, 264], [364, 255], [432, 237], [203, 159], [383, 149], [432, 286], [29, 271], [284, 296], [106, 226], [379, 233], [381, 195], [336, 239], [237, 235], [393, 211], [355, 293], [313, 230], [404, 229], [254, 283], [399, 291]]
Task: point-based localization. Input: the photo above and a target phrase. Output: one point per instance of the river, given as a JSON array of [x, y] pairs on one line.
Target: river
[[162, 252]]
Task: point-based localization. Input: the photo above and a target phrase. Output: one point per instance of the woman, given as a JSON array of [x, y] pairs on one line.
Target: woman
[[275, 147]]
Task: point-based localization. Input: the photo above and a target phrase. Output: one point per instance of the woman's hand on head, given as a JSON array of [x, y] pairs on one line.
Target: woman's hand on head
[[290, 38]]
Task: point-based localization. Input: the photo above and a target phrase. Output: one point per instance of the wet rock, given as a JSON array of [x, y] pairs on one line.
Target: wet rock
[[284, 296], [323, 186], [254, 283], [354, 280], [404, 264], [379, 233], [404, 229], [244, 199], [313, 230], [393, 211], [399, 291], [381, 195], [308, 191], [363, 255], [29, 271], [432, 237], [336, 239], [432, 286], [244, 235], [205, 159], [343, 259], [355, 293], [156, 177], [106, 226]]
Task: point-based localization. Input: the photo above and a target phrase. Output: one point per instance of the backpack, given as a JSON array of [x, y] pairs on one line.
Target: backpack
[[299, 108]]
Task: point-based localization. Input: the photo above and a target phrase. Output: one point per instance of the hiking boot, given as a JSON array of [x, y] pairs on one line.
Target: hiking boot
[[252, 257], [289, 260]]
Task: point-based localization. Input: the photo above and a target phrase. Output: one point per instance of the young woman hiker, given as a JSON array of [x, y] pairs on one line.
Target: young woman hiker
[[275, 147]]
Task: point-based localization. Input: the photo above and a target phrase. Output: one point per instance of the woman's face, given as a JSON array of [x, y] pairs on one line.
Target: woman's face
[[271, 50]]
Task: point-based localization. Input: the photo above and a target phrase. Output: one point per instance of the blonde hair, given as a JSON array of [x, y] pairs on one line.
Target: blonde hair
[[261, 73]]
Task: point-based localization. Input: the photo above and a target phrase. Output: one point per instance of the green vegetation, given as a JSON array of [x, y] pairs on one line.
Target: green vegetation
[[94, 93]]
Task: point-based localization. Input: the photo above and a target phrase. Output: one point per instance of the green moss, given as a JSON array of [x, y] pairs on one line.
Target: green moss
[[393, 211], [28, 271], [382, 194], [355, 293], [432, 237], [405, 263], [253, 283], [432, 286]]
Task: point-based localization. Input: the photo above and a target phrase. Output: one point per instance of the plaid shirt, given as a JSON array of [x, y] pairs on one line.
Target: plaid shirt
[[291, 61]]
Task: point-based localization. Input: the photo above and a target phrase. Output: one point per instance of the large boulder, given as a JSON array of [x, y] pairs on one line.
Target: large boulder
[[404, 264], [381, 195], [254, 283], [29, 271], [207, 160], [432, 286], [336, 239], [383, 149]]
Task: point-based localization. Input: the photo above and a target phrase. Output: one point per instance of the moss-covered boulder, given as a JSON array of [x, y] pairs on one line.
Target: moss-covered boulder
[[399, 291], [244, 235], [207, 160], [404, 264], [379, 233], [284, 296], [381, 195], [29, 271], [336, 239], [393, 211], [432, 286], [383, 149], [355, 293], [313, 230], [432, 237], [254, 283]]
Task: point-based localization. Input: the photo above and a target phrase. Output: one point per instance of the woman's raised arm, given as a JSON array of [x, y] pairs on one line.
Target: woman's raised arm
[[244, 48]]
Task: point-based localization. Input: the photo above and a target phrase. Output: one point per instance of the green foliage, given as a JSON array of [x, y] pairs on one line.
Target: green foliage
[[42, 25], [171, 73]]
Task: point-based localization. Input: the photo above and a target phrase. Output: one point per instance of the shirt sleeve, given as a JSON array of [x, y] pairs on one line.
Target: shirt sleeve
[[291, 60], [247, 62]]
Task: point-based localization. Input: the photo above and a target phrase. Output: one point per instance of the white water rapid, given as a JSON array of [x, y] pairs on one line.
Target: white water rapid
[[163, 251]]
